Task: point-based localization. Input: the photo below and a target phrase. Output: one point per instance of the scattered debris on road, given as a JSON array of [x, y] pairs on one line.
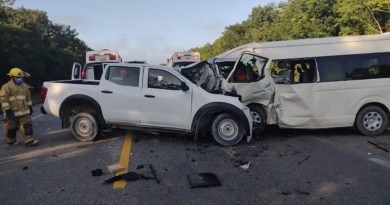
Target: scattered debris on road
[[378, 146], [129, 176], [203, 180], [152, 171], [132, 176], [306, 158]]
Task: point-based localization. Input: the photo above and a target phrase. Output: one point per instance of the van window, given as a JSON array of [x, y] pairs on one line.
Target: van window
[[354, 67], [163, 80], [124, 76], [288, 71], [248, 69]]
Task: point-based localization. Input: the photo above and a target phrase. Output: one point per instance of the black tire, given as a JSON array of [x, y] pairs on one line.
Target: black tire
[[84, 127], [227, 130], [259, 117], [372, 121]]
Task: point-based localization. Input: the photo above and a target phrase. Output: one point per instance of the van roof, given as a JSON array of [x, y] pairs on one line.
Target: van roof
[[314, 47]]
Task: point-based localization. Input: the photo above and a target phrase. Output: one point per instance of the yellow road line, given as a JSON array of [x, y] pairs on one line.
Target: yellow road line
[[124, 160]]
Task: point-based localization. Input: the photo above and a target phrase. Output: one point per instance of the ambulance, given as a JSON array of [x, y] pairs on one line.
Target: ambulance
[[182, 59], [94, 64]]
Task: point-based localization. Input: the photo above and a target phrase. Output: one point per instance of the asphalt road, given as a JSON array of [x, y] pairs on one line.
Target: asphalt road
[[335, 166]]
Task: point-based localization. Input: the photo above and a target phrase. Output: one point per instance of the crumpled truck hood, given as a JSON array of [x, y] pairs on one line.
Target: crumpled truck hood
[[204, 75]]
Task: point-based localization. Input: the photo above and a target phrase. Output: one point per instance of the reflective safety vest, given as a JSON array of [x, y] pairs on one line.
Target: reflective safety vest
[[15, 97]]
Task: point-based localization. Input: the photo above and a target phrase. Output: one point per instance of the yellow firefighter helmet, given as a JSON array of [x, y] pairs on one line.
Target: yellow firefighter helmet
[[15, 72]]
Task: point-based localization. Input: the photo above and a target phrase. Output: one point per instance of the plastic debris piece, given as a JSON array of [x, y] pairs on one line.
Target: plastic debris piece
[[129, 176], [114, 168], [301, 192], [97, 172], [306, 158], [246, 166], [203, 180], [25, 168], [376, 145]]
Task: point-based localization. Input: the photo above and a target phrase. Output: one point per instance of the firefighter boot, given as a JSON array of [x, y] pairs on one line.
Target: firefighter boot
[[11, 137]]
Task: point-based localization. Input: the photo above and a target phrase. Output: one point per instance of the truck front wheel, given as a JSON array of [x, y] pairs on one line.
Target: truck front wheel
[[84, 127], [226, 130]]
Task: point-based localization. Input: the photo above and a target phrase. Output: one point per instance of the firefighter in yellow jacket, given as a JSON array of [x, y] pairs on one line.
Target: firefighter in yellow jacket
[[15, 99]]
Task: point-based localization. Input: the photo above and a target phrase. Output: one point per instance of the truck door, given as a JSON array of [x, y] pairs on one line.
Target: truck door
[[76, 71], [248, 80], [165, 102], [121, 94]]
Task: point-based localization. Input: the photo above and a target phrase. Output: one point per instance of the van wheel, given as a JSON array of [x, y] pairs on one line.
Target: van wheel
[[259, 117], [84, 127], [372, 121], [226, 130]]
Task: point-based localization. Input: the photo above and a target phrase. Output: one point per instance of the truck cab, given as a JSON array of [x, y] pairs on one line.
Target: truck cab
[[146, 97]]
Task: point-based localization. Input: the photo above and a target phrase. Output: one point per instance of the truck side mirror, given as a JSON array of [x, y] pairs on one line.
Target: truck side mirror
[[184, 86]]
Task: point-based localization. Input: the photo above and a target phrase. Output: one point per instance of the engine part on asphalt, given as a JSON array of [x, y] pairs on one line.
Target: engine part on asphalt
[[203, 180], [378, 146]]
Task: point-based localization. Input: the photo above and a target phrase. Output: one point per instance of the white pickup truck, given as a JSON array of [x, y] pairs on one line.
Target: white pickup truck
[[147, 97]]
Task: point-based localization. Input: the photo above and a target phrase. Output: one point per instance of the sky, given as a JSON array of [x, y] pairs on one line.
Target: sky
[[149, 30]]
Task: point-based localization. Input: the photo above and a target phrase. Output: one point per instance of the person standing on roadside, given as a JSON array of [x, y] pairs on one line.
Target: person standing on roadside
[[15, 99]]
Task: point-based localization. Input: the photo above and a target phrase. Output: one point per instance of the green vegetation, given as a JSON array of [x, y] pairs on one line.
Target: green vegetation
[[297, 19], [29, 40]]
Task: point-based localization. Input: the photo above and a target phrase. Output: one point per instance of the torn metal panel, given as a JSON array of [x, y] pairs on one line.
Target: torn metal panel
[[260, 92]]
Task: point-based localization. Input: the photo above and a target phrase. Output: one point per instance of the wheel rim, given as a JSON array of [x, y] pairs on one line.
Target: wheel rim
[[372, 121], [84, 127], [228, 129], [256, 117]]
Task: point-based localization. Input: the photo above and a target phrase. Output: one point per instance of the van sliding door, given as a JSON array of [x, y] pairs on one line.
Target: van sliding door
[[297, 105]]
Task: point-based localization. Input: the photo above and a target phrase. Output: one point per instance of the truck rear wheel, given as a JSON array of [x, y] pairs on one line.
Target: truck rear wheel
[[226, 130], [84, 127]]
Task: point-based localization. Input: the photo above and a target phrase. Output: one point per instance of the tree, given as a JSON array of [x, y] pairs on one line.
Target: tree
[[298, 19], [29, 40]]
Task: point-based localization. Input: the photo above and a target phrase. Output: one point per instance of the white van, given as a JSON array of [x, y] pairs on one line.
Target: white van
[[182, 59], [313, 83], [94, 63]]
